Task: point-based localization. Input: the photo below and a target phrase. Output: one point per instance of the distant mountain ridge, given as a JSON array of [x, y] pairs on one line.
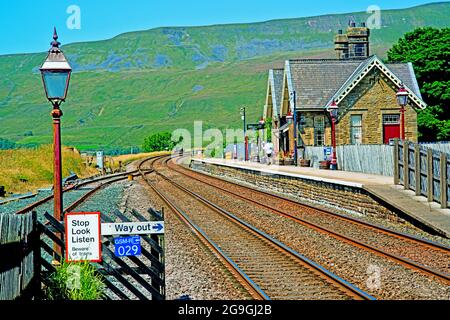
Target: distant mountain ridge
[[165, 78]]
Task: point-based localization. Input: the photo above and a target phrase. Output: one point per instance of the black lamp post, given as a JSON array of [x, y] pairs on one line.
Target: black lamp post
[[56, 73], [333, 109], [402, 100]]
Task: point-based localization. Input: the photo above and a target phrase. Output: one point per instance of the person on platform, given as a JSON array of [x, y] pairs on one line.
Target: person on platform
[[268, 148]]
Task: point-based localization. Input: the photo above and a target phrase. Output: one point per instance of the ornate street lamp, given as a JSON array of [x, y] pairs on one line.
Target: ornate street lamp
[[56, 73], [290, 117], [402, 100], [333, 109]]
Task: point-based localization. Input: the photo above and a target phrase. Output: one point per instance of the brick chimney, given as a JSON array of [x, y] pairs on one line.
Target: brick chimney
[[354, 44]]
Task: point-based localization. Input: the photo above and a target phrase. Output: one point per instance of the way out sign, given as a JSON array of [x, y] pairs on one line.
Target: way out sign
[[132, 228], [83, 241]]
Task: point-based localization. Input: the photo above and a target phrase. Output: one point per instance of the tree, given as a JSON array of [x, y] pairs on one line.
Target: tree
[[6, 144], [429, 51], [159, 142]]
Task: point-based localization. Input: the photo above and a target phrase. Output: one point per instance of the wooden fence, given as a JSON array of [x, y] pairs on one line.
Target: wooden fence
[[373, 159], [438, 146], [19, 256], [126, 278], [27, 249], [423, 170]]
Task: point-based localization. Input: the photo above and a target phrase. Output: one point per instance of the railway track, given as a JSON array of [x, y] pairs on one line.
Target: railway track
[[98, 184], [94, 186], [264, 266], [410, 251]]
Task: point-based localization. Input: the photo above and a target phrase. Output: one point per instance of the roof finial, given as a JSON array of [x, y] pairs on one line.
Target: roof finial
[[55, 43]]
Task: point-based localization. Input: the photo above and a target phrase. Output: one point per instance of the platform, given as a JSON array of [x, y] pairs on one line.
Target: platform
[[380, 187]]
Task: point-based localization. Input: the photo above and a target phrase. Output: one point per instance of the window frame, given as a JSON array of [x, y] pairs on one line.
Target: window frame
[[352, 127], [316, 130], [391, 121]]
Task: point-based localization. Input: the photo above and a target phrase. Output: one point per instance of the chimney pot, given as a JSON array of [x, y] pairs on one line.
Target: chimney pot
[[340, 31], [363, 24]]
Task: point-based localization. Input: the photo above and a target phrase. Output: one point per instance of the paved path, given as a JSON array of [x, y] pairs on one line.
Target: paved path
[[429, 214]]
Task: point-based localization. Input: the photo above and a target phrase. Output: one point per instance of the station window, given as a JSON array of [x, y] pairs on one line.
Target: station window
[[356, 129], [391, 119], [319, 131]]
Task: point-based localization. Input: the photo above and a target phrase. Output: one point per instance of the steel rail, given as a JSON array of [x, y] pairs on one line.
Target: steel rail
[[134, 173], [74, 187], [252, 288], [404, 261], [387, 231], [347, 287]]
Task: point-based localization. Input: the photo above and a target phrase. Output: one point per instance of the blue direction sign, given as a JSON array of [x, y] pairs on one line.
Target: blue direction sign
[[127, 246], [327, 151]]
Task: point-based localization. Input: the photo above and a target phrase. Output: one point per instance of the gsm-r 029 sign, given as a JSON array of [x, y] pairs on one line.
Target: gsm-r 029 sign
[[83, 241], [127, 246]]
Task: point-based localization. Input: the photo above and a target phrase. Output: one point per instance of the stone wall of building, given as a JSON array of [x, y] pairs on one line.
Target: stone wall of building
[[347, 200], [307, 128], [373, 98]]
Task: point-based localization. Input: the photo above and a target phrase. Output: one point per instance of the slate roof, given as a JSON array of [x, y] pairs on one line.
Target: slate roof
[[405, 72], [277, 89], [316, 81]]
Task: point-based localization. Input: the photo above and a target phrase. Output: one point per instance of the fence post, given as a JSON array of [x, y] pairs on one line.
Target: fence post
[[36, 236], [417, 168], [396, 164], [406, 164], [430, 174], [443, 180]]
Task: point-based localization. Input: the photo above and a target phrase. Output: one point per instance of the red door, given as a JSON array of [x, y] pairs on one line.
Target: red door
[[391, 131]]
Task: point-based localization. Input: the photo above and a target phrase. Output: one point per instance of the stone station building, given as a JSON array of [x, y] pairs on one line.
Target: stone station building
[[363, 86]]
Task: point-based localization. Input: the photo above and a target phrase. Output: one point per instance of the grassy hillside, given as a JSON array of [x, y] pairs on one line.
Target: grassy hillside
[[27, 169], [140, 83]]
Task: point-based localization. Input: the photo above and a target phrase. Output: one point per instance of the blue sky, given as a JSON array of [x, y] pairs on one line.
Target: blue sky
[[26, 25]]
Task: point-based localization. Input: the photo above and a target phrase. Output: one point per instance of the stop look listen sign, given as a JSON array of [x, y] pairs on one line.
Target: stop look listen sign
[[83, 240]]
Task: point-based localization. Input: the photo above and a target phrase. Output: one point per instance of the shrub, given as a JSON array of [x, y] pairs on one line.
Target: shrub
[[75, 281]]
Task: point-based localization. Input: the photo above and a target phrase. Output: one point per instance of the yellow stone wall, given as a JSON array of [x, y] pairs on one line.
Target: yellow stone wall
[[378, 100], [372, 98]]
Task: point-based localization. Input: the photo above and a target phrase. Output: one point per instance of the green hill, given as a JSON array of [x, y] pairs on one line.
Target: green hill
[[138, 83]]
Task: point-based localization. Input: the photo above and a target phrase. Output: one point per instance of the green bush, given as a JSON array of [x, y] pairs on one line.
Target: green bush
[[160, 142], [75, 281]]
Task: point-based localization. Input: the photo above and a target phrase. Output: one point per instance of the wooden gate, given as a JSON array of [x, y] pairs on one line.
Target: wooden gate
[[128, 278], [19, 256]]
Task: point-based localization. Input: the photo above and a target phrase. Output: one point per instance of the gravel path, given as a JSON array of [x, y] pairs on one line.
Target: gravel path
[[353, 264], [191, 269], [14, 206]]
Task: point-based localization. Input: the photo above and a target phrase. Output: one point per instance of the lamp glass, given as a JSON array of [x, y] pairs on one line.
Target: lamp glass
[[402, 99], [56, 84], [290, 119], [334, 112]]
